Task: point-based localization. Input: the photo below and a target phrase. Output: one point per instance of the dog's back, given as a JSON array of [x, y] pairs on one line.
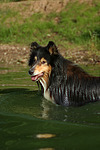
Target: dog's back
[[71, 85]]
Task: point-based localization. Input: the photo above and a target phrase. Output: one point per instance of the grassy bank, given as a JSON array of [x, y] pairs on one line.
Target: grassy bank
[[77, 25]]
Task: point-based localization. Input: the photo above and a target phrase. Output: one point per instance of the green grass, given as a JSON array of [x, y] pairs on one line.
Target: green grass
[[80, 24], [76, 25]]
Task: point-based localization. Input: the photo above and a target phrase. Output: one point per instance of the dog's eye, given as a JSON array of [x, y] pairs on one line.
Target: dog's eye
[[43, 62]]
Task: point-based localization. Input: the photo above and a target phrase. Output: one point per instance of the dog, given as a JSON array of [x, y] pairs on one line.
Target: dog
[[62, 82]]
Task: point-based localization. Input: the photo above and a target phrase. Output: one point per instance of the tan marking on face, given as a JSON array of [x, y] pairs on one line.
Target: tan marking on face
[[45, 68], [47, 73], [43, 60], [35, 58], [34, 47]]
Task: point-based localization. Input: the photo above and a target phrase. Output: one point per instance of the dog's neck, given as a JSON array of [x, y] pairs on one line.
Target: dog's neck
[[45, 83]]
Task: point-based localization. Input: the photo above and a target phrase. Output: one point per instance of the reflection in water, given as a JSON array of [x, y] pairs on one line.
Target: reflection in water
[[53, 111], [87, 114], [45, 136], [46, 149]]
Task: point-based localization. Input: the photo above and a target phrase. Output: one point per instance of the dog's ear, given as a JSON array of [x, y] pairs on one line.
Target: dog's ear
[[52, 48], [34, 45]]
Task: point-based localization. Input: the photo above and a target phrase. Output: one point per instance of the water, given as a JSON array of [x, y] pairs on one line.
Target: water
[[28, 121]]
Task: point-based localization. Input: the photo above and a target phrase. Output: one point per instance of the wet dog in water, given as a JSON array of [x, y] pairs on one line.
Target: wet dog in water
[[62, 82]]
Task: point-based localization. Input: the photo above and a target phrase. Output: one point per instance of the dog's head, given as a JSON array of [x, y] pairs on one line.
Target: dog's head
[[40, 60]]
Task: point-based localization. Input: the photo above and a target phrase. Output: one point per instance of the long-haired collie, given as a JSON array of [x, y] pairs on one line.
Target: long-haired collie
[[62, 82]]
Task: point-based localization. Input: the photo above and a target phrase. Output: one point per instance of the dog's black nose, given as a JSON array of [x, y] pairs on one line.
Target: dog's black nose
[[30, 72]]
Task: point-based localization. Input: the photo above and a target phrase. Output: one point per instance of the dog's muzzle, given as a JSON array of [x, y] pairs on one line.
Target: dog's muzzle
[[30, 71]]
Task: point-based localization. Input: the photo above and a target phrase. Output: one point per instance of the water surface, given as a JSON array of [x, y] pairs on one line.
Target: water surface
[[28, 121]]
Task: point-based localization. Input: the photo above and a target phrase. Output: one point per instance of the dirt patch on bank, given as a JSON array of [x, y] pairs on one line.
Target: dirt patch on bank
[[17, 55], [27, 8]]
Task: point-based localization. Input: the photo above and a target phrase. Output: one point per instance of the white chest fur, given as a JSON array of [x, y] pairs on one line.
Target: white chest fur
[[47, 95], [46, 90]]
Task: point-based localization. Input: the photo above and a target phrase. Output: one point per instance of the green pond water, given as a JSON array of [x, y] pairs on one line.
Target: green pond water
[[29, 122]]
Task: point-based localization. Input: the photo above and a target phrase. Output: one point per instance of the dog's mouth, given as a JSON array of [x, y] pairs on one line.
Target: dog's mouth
[[36, 77]]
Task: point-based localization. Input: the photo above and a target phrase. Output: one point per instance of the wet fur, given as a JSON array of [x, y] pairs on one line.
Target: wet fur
[[67, 84]]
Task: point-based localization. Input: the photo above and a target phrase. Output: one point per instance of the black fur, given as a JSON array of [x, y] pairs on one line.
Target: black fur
[[76, 89], [68, 83]]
